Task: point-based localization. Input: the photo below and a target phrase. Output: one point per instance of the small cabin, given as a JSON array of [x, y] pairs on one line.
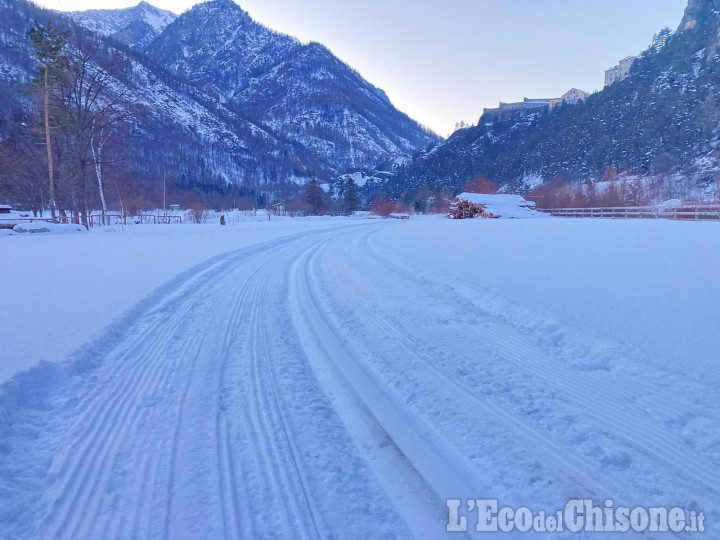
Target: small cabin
[[397, 215], [279, 209], [5, 209]]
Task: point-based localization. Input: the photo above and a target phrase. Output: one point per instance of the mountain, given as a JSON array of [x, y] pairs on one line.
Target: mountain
[[299, 92], [700, 14], [135, 26], [661, 121], [218, 103], [177, 132]]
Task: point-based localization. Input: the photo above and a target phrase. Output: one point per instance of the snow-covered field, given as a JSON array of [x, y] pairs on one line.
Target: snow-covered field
[[342, 378], [58, 293]]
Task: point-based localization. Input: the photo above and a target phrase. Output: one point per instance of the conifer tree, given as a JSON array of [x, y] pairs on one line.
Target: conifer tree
[[314, 196], [48, 45], [351, 201]]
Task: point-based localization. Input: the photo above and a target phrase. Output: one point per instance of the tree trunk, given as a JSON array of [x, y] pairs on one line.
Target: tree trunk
[[74, 210], [84, 202], [51, 176], [98, 171]]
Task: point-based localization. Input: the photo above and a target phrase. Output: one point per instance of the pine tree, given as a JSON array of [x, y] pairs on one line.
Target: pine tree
[[48, 45], [314, 196], [351, 201]]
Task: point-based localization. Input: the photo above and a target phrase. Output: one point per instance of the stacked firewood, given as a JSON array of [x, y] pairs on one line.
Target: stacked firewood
[[463, 209]]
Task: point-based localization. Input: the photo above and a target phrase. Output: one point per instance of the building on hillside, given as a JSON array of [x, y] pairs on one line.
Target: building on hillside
[[619, 72], [508, 110], [571, 97]]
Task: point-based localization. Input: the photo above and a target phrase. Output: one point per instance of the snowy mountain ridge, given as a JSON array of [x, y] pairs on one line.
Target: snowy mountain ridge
[[300, 92], [177, 129], [136, 26], [220, 100]]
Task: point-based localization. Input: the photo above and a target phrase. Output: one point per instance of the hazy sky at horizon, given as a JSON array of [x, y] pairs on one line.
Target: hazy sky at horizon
[[443, 61]]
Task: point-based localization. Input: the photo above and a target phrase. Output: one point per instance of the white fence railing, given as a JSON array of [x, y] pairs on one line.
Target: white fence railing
[[697, 212]]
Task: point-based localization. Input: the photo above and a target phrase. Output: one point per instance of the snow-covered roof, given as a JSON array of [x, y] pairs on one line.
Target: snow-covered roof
[[504, 205], [484, 198], [671, 203]]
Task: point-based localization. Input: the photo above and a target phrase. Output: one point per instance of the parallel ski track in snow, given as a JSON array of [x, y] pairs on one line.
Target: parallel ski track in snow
[[374, 413], [609, 405], [172, 349], [378, 311], [140, 368], [180, 428]]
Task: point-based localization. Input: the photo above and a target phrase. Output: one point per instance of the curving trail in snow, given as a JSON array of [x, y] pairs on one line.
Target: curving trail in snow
[[317, 386]]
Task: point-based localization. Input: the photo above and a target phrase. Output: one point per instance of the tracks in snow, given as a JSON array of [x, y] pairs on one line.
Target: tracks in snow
[[183, 431], [314, 387], [608, 401], [573, 431]]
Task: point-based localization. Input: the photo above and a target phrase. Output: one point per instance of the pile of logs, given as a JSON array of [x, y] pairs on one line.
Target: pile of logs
[[463, 209]]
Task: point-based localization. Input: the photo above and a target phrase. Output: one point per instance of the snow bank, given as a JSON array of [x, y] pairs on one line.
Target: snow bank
[[504, 206], [48, 228]]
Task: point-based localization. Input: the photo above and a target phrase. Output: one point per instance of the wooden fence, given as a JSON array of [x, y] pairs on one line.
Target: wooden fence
[[698, 212], [95, 220]]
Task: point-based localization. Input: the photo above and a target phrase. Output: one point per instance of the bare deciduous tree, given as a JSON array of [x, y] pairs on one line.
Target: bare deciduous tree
[[95, 104]]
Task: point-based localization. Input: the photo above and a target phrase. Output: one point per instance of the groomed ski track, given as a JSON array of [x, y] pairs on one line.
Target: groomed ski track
[[318, 387]]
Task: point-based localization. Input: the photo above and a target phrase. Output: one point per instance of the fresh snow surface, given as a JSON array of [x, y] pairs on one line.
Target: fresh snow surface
[[58, 293], [504, 206], [342, 377]]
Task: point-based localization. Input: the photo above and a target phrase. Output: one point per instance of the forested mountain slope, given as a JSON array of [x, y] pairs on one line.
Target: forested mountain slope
[[663, 118], [215, 101]]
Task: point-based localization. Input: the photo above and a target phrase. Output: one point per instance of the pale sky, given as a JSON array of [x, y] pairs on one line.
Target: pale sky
[[442, 61]]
